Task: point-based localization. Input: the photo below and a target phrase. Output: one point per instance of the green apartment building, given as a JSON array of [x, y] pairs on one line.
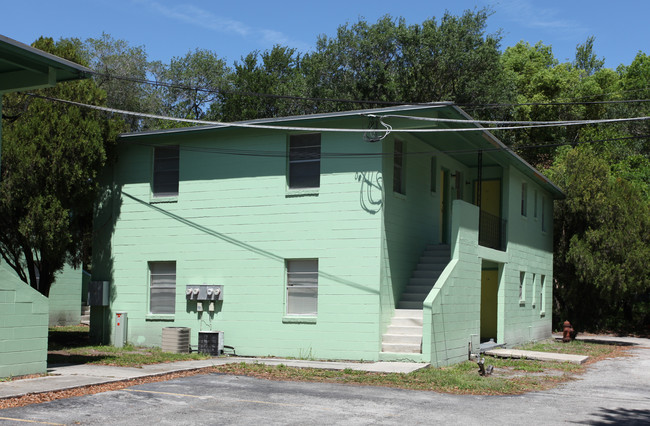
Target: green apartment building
[[327, 236]]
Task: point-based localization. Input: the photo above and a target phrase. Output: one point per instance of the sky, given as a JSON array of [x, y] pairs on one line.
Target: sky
[[172, 28]]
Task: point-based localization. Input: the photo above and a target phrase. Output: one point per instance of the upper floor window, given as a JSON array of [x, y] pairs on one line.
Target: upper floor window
[[524, 199], [399, 172], [434, 173], [544, 214], [459, 185], [304, 161], [165, 171]]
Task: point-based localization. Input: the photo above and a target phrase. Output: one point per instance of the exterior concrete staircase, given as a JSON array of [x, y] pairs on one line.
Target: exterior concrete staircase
[[404, 334], [85, 314]]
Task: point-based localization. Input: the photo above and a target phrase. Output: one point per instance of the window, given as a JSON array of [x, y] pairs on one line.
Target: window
[[304, 161], [535, 205], [459, 185], [534, 290], [302, 287], [162, 285], [399, 181], [543, 214], [542, 295], [434, 173], [165, 171], [524, 199], [522, 286]]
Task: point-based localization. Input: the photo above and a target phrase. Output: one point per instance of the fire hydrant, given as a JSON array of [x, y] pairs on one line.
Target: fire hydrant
[[568, 332]]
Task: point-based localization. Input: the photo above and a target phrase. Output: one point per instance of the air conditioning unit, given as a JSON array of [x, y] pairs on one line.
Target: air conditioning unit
[[211, 342], [176, 340]]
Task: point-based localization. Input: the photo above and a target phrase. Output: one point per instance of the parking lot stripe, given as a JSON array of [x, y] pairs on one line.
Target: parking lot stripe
[[31, 421], [229, 399]]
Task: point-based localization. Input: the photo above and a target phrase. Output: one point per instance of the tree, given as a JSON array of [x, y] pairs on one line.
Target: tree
[[194, 82], [121, 69], [586, 59], [602, 243], [453, 60], [51, 157], [272, 72]]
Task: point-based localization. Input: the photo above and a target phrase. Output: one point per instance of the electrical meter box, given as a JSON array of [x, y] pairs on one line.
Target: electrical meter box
[[98, 293], [202, 292]]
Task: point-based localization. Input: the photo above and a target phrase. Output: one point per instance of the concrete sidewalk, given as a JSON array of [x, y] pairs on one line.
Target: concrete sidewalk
[[73, 376], [540, 356]]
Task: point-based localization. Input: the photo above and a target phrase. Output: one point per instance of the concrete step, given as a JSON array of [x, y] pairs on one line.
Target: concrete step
[[406, 322], [409, 330], [417, 281], [401, 348], [431, 274], [402, 339], [409, 305], [418, 289], [413, 297], [408, 313], [438, 267]]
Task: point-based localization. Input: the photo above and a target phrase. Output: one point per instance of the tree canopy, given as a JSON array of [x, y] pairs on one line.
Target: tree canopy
[[51, 158]]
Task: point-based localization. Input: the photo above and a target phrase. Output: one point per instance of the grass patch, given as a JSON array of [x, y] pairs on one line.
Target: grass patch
[[457, 379], [595, 351], [70, 345], [510, 376]]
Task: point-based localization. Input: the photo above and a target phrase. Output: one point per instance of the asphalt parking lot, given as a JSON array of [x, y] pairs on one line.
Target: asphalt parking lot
[[613, 391]]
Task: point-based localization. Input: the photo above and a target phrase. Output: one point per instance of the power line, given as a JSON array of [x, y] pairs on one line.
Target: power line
[[367, 102], [340, 130]]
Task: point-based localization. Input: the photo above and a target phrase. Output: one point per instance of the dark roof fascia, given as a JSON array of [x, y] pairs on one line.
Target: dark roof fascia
[[290, 119], [519, 163], [45, 58]]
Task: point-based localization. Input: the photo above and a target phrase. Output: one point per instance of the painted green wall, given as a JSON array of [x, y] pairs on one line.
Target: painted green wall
[[65, 297], [234, 223], [411, 221], [529, 250], [23, 327], [452, 309]]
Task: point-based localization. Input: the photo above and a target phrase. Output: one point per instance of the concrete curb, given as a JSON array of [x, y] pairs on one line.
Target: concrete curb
[[540, 356], [68, 377]]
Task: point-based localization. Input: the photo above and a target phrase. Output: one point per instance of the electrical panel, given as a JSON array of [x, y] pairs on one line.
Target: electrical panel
[[203, 292], [98, 294]]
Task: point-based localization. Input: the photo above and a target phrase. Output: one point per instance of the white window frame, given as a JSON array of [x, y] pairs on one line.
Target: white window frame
[[542, 296], [301, 280], [159, 272], [522, 287]]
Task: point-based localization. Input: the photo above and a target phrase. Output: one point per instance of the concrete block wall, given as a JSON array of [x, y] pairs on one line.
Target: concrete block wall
[[234, 223], [23, 328], [452, 309], [65, 297], [530, 250]]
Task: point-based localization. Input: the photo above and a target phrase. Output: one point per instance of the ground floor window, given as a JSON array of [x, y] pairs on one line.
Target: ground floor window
[[302, 287], [162, 285]]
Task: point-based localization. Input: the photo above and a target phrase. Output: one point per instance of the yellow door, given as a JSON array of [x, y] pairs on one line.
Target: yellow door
[[489, 302], [490, 196]]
